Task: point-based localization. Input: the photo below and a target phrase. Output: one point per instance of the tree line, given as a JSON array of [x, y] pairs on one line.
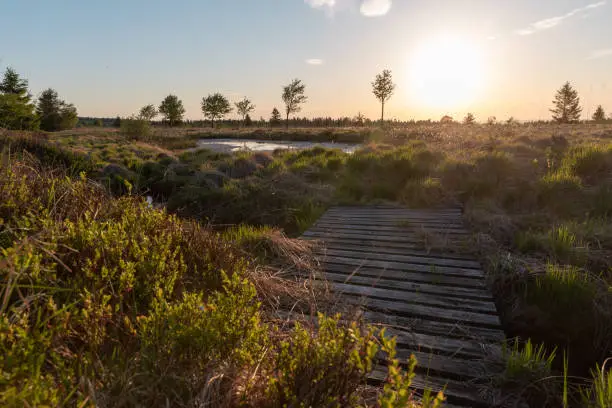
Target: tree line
[[18, 111], [50, 113]]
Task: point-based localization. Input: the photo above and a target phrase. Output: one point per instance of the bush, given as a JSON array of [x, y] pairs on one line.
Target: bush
[[135, 128]]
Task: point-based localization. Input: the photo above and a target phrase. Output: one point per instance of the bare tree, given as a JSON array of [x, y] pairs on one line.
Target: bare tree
[[383, 88], [293, 96]]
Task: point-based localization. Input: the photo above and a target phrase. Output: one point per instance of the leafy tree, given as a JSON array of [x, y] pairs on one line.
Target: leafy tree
[[359, 119], [492, 120], [54, 113], [599, 115], [215, 106], [244, 107], [172, 109], [275, 119], [99, 123], [469, 119], [16, 108], [567, 105], [293, 96], [383, 88], [446, 119], [147, 112], [117, 122], [248, 121]]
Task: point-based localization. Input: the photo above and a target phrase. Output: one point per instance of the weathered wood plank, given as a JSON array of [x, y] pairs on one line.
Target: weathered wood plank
[[410, 249], [401, 266], [408, 239], [386, 233], [431, 289], [391, 228], [374, 211], [457, 392], [434, 328], [357, 268], [391, 222], [445, 367], [383, 249], [426, 260], [431, 312], [476, 306]]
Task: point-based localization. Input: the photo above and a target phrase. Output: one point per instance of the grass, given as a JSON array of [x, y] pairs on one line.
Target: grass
[[537, 198], [106, 301]]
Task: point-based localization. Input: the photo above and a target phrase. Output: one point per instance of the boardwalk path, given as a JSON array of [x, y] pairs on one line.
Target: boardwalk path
[[436, 303]]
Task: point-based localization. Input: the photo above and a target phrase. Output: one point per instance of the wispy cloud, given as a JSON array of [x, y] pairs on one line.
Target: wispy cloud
[[551, 22], [314, 61], [375, 8], [368, 8], [596, 54]]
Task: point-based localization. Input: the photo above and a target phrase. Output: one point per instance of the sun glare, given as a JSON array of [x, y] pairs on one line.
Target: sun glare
[[447, 73]]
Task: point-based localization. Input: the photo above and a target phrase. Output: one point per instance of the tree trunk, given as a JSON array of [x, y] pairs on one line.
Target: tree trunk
[[212, 123], [382, 113], [287, 121]]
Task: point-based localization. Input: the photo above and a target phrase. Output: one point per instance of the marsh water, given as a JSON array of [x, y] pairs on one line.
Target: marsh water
[[234, 145]]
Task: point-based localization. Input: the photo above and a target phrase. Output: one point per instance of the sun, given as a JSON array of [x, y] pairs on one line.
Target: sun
[[447, 73]]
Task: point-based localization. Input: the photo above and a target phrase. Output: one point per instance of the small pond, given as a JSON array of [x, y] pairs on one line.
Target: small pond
[[234, 145]]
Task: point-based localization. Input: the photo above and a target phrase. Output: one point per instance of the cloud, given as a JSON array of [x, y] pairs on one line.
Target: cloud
[[375, 8], [551, 22], [596, 54], [368, 8], [314, 61]]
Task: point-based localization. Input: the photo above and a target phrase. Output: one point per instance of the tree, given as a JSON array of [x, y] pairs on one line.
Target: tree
[[99, 123], [567, 105], [215, 106], [147, 112], [54, 113], [248, 122], [117, 122], [275, 118], [383, 88], [469, 119], [293, 96], [244, 107], [16, 108], [446, 119], [492, 120], [172, 109], [599, 115]]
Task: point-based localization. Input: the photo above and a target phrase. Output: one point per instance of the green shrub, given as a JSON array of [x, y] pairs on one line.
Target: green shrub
[[321, 368], [135, 128]]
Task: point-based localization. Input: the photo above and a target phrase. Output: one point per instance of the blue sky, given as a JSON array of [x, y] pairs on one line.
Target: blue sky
[[499, 57]]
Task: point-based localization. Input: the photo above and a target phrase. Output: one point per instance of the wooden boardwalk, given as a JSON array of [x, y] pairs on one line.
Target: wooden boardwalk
[[436, 303]]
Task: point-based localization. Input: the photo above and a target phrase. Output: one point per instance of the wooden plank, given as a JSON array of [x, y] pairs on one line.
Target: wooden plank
[[405, 276], [425, 260], [390, 223], [393, 229], [443, 345], [384, 235], [394, 215], [427, 312], [382, 282], [444, 366], [372, 210], [411, 249], [424, 326], [400, 266], [456, 392], [476, 306], [381, 238], [383, 249], [411, 325]]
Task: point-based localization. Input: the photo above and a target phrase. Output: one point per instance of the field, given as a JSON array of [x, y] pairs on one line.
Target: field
[[107, 301]]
